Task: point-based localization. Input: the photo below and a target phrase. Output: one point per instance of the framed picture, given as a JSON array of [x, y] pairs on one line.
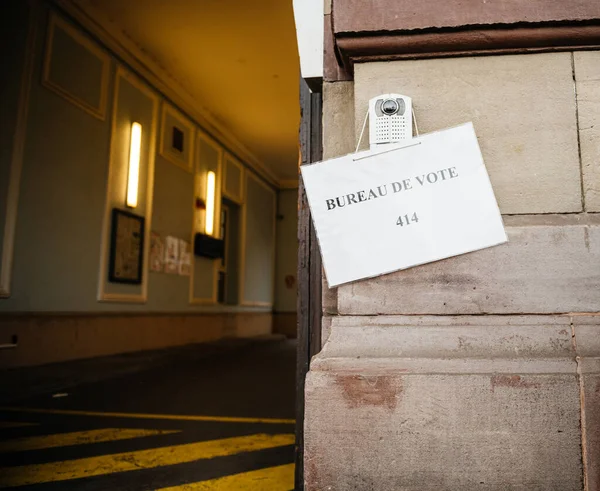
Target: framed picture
[[177, 138], [126, 248]]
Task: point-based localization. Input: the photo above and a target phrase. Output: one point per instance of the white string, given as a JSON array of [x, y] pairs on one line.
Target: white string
[[415, 120], [387, 151], [362, 131]]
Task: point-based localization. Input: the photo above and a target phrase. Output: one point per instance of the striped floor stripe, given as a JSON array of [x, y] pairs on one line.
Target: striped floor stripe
[[176, 417], [279, 478], [76, 438], [142, 459], [15, 424]]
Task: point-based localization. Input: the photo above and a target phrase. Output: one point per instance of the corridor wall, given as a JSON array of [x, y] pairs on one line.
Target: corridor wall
[[66, 113]]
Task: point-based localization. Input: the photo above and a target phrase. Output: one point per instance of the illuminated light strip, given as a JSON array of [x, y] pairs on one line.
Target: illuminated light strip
[[135, 148], [210, 203]]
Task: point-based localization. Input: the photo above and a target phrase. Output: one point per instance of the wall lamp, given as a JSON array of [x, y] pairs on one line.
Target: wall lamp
[[135, 146], [210, 203]]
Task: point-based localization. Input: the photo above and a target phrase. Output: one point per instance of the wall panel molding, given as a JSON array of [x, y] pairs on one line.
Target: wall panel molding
[[16, 164], [230, 164], [243, 244], [103, 294], [186, 160], [97, 23], [55, 22], [200, 191]]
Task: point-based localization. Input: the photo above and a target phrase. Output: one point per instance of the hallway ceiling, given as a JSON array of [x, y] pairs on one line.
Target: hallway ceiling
[[237, 59]]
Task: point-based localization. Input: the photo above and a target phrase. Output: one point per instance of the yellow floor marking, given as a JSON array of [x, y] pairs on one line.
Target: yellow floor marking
[[141, 459], [220, 419], [271, 479], [15, 424], [76, 438]]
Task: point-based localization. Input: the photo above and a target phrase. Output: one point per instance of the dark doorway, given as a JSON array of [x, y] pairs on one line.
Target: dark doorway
[[309, 265]]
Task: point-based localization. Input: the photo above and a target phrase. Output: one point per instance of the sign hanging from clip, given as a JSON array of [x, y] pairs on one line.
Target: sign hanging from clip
[[404, 203]]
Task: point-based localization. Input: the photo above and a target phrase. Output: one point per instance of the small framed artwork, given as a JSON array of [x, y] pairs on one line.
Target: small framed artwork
[[177, 138], [62, 41], [126, 247]]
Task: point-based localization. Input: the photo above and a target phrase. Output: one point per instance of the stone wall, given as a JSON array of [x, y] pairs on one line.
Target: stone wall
[[480, 371]]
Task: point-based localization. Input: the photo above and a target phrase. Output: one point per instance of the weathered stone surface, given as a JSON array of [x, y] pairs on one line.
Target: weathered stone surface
[[587, 77], [338, 119], [523, 110], [338, 139], [452, 337], [390, 430], [551, 264], [444, 403], [591, 424], [360, 17], [442, 432], [325, 329], [329, 297], [587, 335]]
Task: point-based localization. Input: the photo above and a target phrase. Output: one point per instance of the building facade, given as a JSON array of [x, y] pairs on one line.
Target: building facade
[[479, 371]]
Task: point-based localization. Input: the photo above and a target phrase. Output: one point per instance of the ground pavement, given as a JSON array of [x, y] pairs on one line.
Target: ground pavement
[[192, 418]]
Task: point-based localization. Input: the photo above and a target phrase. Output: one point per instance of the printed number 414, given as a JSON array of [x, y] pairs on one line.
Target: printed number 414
[[404, 219]]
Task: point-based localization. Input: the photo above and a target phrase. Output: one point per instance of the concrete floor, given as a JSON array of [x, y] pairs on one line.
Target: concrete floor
[[187, 418]]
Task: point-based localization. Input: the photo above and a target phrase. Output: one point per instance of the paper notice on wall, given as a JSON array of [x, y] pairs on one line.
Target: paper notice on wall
[[157, 253], [185, 258], [420, 201], [171, 255]]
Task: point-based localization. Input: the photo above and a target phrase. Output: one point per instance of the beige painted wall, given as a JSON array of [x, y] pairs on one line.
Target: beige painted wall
[[13, 31], [73, 172], [258, 243], [287, 250], [53, 338]]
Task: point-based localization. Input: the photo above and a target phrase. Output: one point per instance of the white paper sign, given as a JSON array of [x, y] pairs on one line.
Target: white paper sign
[[420, 201]]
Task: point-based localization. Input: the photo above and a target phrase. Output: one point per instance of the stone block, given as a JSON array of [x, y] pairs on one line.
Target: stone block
[[325, 330], [587, 77], [328, 297], [524, 113], [454, 403], [474, 337], [356, 17], [591, 423], [338, 139], [587, 335], [442, 432], [338, 119], [551, 264]]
